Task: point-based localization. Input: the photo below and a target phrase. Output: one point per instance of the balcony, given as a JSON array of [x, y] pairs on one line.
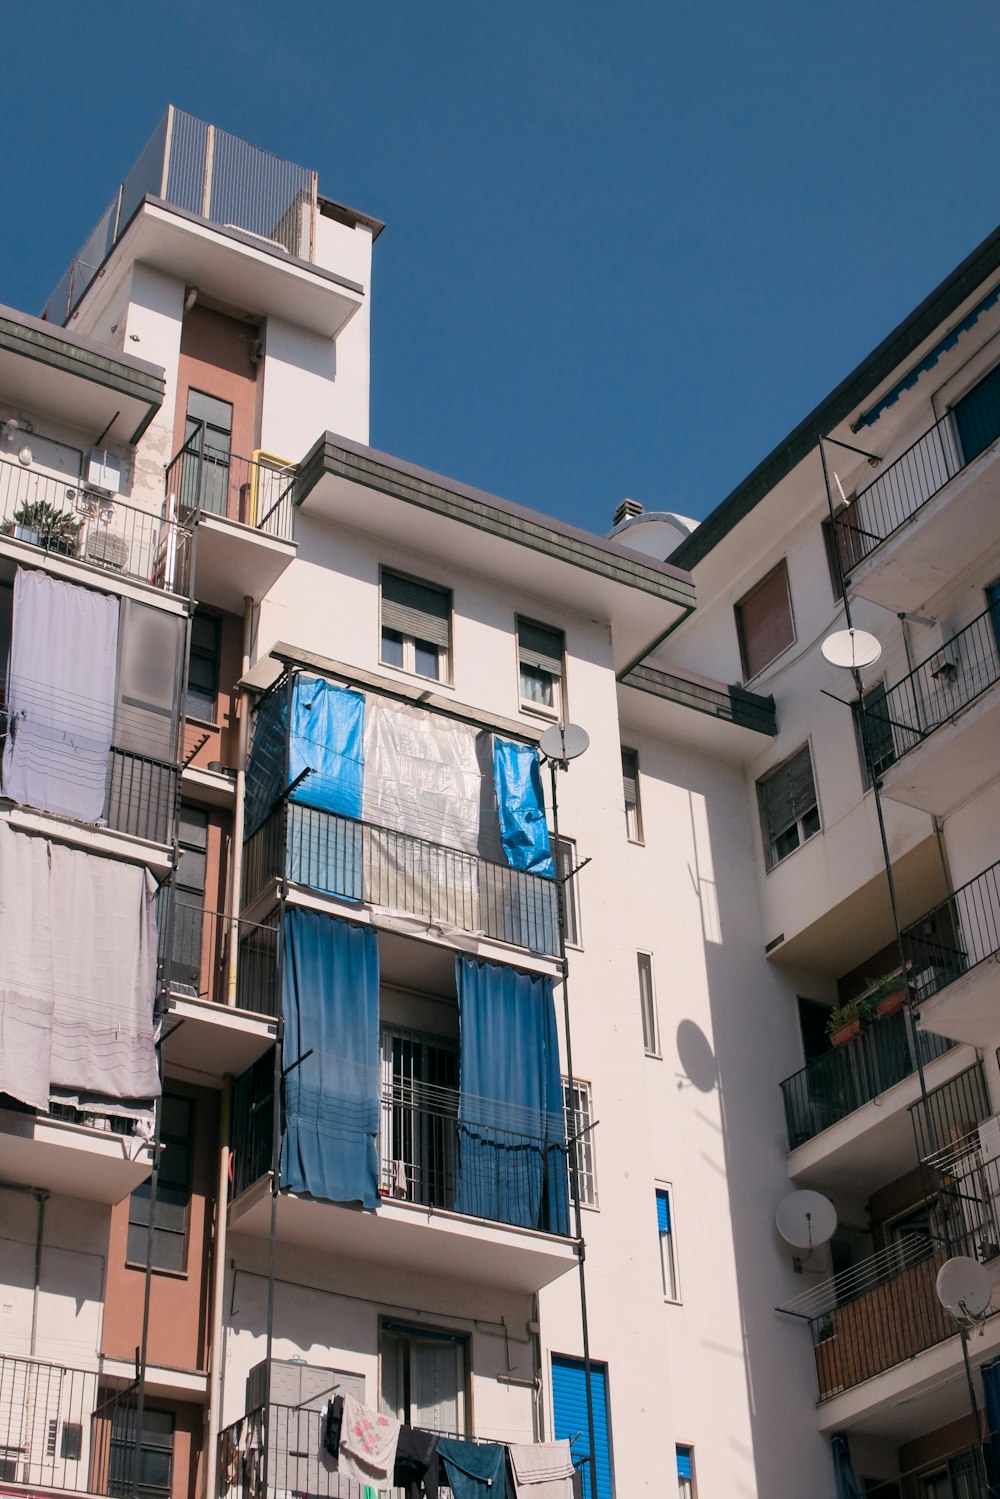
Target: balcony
[[242, 508], [358, 861], [925, 518], [68, 1430], [139, 799], [448, 1203], [70, 1157], [66, 519], [944, 718], [951, 948]]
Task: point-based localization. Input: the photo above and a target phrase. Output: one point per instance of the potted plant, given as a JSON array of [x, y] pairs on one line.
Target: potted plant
[[888, 994], [43, 525], [847, 1021]]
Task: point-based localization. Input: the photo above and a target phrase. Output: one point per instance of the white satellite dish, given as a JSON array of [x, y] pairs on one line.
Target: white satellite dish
[[964, 1287], [851, 649], [806, 1219], [564, 741]]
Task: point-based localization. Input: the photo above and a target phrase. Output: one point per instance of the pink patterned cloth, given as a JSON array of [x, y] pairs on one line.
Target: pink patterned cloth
[[368, 1440]]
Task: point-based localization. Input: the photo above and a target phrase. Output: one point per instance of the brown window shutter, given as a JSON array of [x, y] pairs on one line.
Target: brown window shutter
[[764, 622]]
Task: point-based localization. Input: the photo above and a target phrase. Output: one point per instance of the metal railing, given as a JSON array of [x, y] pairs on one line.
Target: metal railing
[[846, 1077], [943, 685], [966, 1174], [251, 1135], [66, 518], [195, 946], [257, 492], [141, 795], [957, 935], [960, 1475], [900, 490], [362, 862], [65, 1429]]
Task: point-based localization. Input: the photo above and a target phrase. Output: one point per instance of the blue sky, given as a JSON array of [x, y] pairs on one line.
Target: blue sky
[[629, 244]]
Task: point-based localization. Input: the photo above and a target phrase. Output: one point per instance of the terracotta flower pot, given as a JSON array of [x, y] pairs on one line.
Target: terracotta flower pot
[[846, 1033], [891, 1004]]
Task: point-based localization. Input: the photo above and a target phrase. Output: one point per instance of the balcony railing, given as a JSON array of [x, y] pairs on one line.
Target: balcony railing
[[900, 490], [943, 685], [957, 1475], [966, 1173], [252, 1128], [847, 1077], [205, 479], [195, 946], [140, 794], [959, 934], [65, 518], [65, 1429], [362, 862]]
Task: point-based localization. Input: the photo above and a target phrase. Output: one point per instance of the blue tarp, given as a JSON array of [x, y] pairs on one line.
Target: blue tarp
[[266, 768], [326, 737], [512, 1135], [521, 807], [329, 1002]]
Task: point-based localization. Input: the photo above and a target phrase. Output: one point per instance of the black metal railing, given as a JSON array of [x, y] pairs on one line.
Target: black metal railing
[[66, 518], [141, 795], [65, 1429], [195, 945], [847, 1077], [966, 1176], [251, 1138], [943, 685], [208, 480], [960, 933], [900, 490], [950, 1111], [362, 862]]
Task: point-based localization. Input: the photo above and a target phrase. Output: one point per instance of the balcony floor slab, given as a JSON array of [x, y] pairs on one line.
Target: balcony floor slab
[[72, 1160], [968, 1009], [953, 764], [214, 1039]]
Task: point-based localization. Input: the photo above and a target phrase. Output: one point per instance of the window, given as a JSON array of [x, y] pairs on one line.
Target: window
[[665, 1229], [992, 604], [540, 651], [685, 1472], [876, 750], [580, 1135], [423, 1377], [419, 1102], [788, 811], [647, 1005], [184, 968], [564, 859], [569, 1417], [764, 622], [203, 667], [630, 788], [416, 626], [152, 1448], [977, 416], [207, 482], [844, 542], [173, 1193]]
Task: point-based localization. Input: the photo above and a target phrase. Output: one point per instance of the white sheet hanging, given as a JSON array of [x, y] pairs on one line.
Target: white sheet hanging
[[60, 696], [422, 776], [78, 937]]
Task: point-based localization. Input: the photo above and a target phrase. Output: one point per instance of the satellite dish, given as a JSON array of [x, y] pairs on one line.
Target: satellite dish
[[564, 741], [964, 1287], [851, 649], [806, 1219]]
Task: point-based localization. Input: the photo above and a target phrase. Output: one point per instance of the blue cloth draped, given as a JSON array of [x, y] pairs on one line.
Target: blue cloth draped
[[329, 1001], [991, 1404], [473, 1469], [511, 1134], [266, 778], [326, 737], [521, 807], [844, 1479]]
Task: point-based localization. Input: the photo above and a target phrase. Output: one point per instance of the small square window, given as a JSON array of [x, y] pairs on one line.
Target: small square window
[[665, 1230], [540, 653], [647, 1005], [580, 1135], [764, 622], [789, 813], [630, 790], [416, 626]]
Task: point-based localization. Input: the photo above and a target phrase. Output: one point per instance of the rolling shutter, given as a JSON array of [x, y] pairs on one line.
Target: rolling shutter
[[764, 622], [788, 794], [663, 1212], [416, 609], [569, 1411], [684, 1463], [540, 647]]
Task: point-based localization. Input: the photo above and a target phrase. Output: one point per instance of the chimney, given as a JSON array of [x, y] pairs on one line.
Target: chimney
[[627, 510]]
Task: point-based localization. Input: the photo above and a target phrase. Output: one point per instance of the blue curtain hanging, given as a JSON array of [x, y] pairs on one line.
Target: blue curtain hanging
[[330, 1003], [326, 737], [521, 807], [512, 1136], [991, 1404], [844, 1479]]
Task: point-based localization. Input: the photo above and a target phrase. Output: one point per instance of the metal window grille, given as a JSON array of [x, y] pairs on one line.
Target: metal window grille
[[578, 1104]]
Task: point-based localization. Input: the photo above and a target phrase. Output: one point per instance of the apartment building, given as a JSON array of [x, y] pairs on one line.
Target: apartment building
[[458, 1081]]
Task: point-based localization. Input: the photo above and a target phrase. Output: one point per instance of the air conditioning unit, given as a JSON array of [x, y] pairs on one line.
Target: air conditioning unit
[[945, 663], [104, 472]]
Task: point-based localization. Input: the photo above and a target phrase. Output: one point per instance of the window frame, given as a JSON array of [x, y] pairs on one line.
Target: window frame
[[872, 770], [740, 605], [200, 653], [841, 559], [669, 1272], [772, 858], [131, 1445], [687, 1488], [564, 859], [579, 1116], [390, 1327], [148, 1228], [633, 808], [556, 710], [647, 1003], [409, 642]]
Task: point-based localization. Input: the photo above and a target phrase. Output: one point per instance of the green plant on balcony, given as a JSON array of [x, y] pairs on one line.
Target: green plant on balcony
[[847, 1021], [42, 524], [888, 994]]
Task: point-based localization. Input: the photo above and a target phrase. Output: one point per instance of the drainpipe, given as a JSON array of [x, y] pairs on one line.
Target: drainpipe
[[42, 1198], [216, 1368], [236, 859]]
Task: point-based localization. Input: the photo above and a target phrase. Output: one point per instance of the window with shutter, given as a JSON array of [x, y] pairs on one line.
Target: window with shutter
[[423, 1377], [416, 626], [647, 1004], [630, 789], [570, 1418], [788, 811], [685, 1472], [540, 651], [665, 1230], [764, 622], [876, 750]]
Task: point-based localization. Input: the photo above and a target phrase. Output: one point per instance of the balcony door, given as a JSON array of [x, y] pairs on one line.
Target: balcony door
[[208, 481], [419, 1114]]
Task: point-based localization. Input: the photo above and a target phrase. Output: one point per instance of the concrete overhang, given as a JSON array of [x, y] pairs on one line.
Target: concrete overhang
[[967, 1008], [953, 764], [262, 279], [79, 381], [214, 1039], [360, 488], [71, 1160], [234, 562], [725, 721]]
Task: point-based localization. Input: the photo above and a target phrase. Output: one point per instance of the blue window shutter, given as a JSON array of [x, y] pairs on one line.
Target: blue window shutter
[[569, 1407], [663, 1212], [683, 1462], [977, 416]]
